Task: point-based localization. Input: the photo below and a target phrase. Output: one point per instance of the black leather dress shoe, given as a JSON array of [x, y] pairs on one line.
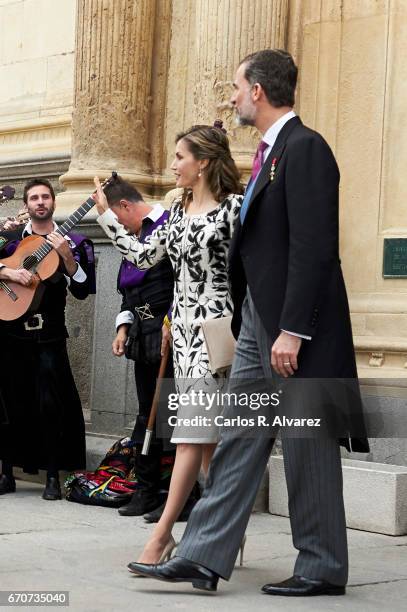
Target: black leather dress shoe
[[178, 569], [155, 515], [7, 484], [141, 502], [52, 489], [298, 586]]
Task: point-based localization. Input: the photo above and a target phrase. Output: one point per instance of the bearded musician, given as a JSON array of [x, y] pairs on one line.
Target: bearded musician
[[42, 425]]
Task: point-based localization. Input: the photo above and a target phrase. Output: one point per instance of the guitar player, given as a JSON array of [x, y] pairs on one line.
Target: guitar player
[[44, 428]]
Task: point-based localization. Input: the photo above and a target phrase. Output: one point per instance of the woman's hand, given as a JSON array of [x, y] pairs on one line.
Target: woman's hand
[[166, 338], [120, 341], [99, 197]]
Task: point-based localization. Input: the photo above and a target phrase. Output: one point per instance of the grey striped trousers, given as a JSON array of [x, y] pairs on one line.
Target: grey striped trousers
[[314, 481]]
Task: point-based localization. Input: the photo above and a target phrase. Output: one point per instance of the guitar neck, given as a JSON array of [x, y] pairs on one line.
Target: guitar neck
[[76, 217]]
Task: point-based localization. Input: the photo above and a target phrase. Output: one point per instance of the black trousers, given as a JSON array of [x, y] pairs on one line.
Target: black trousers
[[153, 470], [44, 427]]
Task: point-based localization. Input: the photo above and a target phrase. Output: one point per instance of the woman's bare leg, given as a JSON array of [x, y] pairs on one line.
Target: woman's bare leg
[[187, 463]]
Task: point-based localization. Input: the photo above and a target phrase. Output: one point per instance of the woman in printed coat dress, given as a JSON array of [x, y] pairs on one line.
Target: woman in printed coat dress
[[196, 238]]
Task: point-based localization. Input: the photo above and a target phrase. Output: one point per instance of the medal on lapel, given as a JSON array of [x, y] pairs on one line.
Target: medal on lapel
[[273, 168]]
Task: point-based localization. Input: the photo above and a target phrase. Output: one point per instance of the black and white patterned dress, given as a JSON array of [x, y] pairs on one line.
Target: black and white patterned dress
[[197, 246]]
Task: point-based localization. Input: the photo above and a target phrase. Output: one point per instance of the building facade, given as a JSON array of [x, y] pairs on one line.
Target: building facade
[[94, 85]]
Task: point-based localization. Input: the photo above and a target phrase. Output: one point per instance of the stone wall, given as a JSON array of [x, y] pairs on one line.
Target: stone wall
[[37, 43], [352, 89], [144, 71]]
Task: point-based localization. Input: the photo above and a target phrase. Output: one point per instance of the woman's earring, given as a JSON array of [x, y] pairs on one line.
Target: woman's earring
[[199, 174]]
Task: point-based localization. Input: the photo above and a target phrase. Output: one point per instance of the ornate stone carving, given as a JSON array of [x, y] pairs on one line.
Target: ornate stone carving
[[376, 360]]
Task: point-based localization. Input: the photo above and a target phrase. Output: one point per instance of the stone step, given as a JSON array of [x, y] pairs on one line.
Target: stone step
[[375, 495]]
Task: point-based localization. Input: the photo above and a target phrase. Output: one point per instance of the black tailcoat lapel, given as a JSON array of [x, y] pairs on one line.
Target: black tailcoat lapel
[[263, 180], [277, 150]]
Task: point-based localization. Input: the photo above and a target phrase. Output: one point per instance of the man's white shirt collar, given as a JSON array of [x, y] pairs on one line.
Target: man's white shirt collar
[[29, 228], [271, 134], [155, 213]]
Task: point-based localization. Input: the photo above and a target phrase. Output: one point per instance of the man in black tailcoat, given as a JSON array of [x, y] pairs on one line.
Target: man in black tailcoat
[[291, 319]]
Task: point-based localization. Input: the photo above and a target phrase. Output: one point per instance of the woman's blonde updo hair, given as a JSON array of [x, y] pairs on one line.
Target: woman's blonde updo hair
[[211, 143]]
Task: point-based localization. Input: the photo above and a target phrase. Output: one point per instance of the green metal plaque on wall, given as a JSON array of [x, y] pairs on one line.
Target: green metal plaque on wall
[[395, 258]]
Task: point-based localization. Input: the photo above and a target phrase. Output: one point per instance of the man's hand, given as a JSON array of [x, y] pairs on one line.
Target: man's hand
[[60, 244], [284, 354], [10, 224], [166, 338], [22, 277], [120, 341], [99, 197]]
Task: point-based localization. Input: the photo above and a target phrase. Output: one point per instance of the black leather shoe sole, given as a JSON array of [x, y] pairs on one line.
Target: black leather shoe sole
[[292, 592], [205, 584]]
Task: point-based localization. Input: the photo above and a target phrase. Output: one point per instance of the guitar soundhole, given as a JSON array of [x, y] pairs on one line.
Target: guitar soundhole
[[30, 262]]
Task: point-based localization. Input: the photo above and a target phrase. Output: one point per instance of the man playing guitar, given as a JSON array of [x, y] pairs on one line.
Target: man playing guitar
[[44, 427]]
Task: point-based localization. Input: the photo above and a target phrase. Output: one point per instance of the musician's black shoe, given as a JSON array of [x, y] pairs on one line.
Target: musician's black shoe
[[52, 489], [7, 484], [178, 569], [298, 586], [142, 501], [154, 517]]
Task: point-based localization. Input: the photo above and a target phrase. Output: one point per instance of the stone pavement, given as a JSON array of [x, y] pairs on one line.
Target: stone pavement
[[66, 546]]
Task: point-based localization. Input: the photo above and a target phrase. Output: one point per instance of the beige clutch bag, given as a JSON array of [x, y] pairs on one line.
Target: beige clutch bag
[[220, 343]]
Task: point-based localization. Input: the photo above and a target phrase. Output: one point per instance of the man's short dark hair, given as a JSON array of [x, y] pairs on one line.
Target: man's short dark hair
[[122, 190], [33, 183], [275, 71]]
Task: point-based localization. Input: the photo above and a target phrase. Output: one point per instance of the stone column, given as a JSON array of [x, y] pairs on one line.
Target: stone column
[[225, 32], [112, 109]]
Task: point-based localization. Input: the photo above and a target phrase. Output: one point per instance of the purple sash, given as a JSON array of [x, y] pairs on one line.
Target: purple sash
[[129, 274]]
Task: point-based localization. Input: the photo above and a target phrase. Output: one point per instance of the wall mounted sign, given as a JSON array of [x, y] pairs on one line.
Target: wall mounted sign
[[395, 258]]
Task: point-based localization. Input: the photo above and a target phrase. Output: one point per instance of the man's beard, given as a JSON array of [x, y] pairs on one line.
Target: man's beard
[[247, 115], [242, 121], [48, 215]]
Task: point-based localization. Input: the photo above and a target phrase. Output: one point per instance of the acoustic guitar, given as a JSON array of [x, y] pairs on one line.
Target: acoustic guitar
[[40, 258]]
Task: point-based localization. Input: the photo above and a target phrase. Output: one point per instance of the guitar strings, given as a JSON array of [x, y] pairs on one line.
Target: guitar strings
[[38, 255]]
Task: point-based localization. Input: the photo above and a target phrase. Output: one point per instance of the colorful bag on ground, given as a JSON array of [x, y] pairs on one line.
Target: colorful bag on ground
[[111, 484]]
